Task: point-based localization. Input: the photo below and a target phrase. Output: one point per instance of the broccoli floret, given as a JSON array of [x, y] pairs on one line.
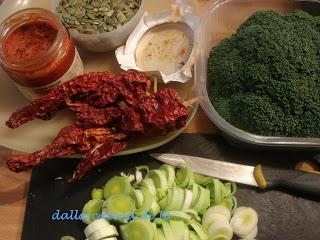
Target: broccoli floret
[[265, 78]]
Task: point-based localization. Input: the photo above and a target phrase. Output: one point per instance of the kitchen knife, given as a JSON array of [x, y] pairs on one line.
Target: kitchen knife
[[295, 181]]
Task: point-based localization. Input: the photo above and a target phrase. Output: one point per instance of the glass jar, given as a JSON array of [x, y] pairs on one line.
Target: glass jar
[[37, 51]]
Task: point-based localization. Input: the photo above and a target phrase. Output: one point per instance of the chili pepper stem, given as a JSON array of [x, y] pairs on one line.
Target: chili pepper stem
[[155, 84]]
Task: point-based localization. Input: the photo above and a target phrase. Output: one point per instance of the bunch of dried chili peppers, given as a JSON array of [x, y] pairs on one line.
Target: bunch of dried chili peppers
[[109, 109]]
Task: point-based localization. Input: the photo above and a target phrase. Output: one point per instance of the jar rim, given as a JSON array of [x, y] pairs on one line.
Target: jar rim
[[42, 14]]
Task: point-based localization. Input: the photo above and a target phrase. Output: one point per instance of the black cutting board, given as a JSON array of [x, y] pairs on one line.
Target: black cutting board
[[281, 216]]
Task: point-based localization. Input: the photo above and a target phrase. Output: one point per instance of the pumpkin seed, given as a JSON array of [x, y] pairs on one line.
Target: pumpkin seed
[[96, 16]]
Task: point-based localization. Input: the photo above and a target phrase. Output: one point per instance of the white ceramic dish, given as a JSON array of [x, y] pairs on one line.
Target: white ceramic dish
[[36, 134]]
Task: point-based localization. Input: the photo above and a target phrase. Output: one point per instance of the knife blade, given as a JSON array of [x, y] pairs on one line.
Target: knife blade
[[213, 168], [287, 180]]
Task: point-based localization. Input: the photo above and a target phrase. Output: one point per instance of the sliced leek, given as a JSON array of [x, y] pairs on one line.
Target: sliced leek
[[159, 179], [198, 229], [130, 177], [138, 172], [149, 185], [119, 206], [91, 210], [137, 196], [252, 235], [215, 217], [106, 232], [147, 202], [193, 214], [170, 174], [179, 229], [203, 202], [180, 216], [155, 208], [217, 209], [201, 180], [184, 177], [97, 193], [117, 185], [244, 220], [140, 229], [167, 230], [185, 195], [94, 226], [159, 235], [187, 199], [220, 231]]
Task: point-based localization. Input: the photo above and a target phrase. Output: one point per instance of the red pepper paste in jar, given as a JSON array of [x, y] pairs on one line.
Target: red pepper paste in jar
[[37, 51]]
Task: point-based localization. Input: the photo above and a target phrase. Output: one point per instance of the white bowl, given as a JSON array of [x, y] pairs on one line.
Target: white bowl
[[107, 41]]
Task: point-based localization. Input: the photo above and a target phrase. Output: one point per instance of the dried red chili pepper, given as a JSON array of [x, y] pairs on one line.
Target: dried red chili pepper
[[68, 141], [163, 112], [46, 106], [98, 144], [101, 102], [88, 116]]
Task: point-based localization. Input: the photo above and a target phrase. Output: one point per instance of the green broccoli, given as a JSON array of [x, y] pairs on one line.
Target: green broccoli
[[265, 78]]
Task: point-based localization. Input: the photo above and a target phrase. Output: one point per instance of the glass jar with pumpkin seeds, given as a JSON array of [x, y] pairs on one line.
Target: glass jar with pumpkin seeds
[[99, 25]]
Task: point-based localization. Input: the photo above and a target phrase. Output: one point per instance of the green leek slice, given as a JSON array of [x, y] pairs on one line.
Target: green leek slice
[[170, 174], [97, 193], [215, 217], [155, 208], [217, 191], [184, 177], [91, 210], [138, 172], [137, 196], [194, 214], [123, 231], [203, 201], [231, 189], [180, 216], [117, 185], [94, 226], [179, 229], [149, 185], [67, 238], [198, 229], [195, 194], [244, 220], [118, 206], [176, 201], [168, 233], [187, 199], [163, 202], [220, 231], [193, 235], [106, 232], [159, 179], [147, 202], [140, 229], [202, 180], [159, 235]]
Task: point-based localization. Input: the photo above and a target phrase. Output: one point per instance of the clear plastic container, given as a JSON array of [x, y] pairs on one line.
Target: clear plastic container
[[218, 23]]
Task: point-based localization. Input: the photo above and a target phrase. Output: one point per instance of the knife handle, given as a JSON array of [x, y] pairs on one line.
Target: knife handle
[[295, 181]]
